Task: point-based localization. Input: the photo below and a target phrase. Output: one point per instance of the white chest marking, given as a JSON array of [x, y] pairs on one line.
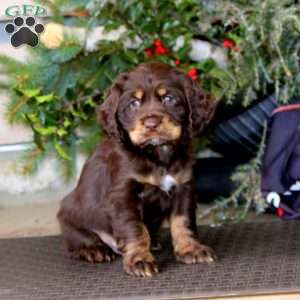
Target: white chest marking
[[167, 182]]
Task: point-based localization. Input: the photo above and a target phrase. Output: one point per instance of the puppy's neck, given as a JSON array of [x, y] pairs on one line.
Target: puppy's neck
[[166, 155], [163, 153]]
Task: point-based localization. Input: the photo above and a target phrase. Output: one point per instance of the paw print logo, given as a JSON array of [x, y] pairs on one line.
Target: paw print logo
[[24, 32]]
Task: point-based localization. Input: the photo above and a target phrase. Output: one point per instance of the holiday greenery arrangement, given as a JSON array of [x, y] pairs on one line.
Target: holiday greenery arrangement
[[237, 50]]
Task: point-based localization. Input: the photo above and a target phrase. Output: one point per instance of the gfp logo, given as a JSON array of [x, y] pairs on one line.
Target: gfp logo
[[25, 10], [24, 29]]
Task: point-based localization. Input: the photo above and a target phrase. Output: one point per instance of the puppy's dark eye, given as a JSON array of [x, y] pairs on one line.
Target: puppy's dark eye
[[134, 103], [168, 99]]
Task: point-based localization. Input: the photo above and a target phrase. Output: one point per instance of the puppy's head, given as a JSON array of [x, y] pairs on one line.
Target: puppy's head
[[154, 105]]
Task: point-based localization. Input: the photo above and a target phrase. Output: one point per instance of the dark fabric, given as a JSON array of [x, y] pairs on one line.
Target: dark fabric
[[281, 163]]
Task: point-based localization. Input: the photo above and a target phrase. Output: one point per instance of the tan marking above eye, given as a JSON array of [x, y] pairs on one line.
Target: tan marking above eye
[[139, 94], [161, 91]]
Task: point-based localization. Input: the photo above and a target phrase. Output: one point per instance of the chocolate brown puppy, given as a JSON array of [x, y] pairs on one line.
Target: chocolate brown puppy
[[141, 173]]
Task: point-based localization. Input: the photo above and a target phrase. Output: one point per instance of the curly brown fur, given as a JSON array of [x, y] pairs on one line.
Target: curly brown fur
[[141, 174]]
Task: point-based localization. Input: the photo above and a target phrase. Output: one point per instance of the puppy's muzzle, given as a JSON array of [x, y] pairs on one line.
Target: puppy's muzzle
[[152, 122], [155, 129]]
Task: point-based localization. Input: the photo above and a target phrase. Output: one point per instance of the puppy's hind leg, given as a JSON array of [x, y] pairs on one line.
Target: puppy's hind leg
[[84, 244]]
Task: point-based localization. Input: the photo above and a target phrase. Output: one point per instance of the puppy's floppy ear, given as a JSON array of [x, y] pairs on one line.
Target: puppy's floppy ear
[[107, 111], [201, 105]]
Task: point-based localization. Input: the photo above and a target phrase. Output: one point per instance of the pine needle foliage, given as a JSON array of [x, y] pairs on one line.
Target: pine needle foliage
[[55, 92]]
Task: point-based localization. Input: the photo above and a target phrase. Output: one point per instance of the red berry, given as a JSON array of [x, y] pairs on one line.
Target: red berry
[[158, 43], [161, 50], [229, 44], [280, 212], [177, 62], [158, 50], [193, 73], [149, 52]]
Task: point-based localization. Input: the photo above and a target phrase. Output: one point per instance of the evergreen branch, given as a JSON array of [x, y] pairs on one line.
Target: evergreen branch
[[224, 202], [285, 67], [265, 60], [242, 181], [12, 113], [31, 159]]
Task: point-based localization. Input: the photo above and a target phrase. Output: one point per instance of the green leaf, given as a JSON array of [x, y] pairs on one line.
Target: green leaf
[[30, 93], [46, 79], [234, 37], [61, 132], [67, 80], [118, 64], [33, 117], [61, 151], [65, 53], [67, 123], [45, 98], [46, 130], [90, 102], [206, 65]]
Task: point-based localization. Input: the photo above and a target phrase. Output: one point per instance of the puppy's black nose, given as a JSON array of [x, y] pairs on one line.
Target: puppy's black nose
[[152, 122]]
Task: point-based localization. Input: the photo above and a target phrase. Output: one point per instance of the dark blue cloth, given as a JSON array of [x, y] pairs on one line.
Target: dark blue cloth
[[281, 162]]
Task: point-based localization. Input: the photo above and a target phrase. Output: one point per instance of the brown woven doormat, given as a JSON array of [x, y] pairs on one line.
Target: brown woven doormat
[[253, 259]]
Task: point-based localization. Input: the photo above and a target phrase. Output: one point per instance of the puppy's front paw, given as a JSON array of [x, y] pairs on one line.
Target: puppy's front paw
[[143, 265], [96, 254], [193, 252]]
